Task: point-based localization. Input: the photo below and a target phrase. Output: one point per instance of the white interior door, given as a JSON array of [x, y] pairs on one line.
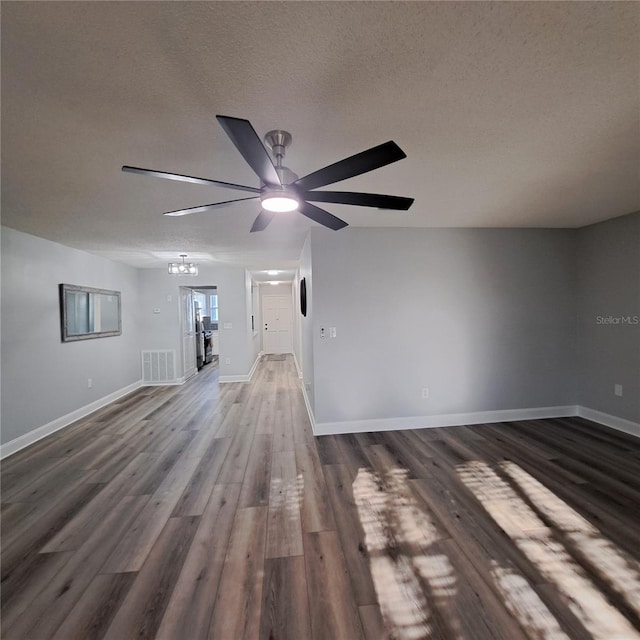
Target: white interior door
[[277, 318], [188, 329]]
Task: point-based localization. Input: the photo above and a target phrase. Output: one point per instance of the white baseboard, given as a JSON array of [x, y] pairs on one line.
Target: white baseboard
[[442, 420], [241, 377], [621, 424], [307, 404], [171, 383], [298, 369], [8, 448]]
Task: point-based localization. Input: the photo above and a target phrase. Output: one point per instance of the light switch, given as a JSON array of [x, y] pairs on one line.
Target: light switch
[[617, 389], [169, 297], [156, 309], [227, 325]]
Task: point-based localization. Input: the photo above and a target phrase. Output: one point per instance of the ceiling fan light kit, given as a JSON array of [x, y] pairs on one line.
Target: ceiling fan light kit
[[281, 190], [279, 200]]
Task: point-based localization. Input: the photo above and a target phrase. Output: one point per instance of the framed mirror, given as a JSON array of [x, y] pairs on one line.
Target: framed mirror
[[87, 313]]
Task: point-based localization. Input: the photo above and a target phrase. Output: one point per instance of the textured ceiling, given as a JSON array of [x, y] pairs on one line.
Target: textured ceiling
[[518, 114]]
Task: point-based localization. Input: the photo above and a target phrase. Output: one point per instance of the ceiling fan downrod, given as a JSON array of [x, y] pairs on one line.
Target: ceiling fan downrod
[[277, 141]]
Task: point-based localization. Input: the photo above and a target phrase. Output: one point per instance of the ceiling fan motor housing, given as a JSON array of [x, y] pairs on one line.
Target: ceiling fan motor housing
[[278, 141]]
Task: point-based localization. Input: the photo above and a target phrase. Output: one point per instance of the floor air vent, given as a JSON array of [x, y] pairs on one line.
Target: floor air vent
[[158, 366]]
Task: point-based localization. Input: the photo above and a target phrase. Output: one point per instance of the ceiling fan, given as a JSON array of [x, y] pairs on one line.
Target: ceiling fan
[[281, 189]]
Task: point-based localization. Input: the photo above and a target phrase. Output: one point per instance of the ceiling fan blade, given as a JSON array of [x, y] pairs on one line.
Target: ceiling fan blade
[[263, 219], [193, 179], [321, 216], [246, 140], [361, 199], [369, 160], [205, 207]]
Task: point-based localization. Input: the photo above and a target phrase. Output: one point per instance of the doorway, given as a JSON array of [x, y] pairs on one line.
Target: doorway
[[198, 328], [277, 320], [188, 333]]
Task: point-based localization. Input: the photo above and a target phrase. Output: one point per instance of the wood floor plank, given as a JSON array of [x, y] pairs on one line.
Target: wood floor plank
[[237, 610], [332, 607], [316, 513], [460, 516], [227, 417], [372, 623], [196, 495], [93, 455], [256, 485], [144, 605], [284, 531], [267, 413], [161, 462], [32, 534], [188, 613], [283, 439], [49, 484], [60, 594], [315, 509], [235, 462], [285, 607], [350, 531], [137, 542], [94, 611], [12, 514], [510, 446], [78, 528], [22, 588], [471, 607]]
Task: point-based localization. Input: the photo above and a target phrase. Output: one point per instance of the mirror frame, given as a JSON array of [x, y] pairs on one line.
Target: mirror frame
[[66, 337]]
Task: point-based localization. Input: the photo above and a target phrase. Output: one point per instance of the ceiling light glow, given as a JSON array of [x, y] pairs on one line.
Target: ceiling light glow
[[279, 201]]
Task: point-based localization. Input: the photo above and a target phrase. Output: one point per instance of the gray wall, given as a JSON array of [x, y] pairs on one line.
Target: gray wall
[[161, 331], [307, 325], [42, 377], [253, 342], [484, 318], [608, 316]]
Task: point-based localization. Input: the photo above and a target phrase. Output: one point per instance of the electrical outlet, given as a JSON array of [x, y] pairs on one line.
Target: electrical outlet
[[332, 332], [617, 389], [425, 392], [89, 383], [227, 360]]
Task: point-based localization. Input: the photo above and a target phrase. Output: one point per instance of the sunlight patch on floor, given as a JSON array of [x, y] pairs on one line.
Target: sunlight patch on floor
[[411, 578], [525, 605], [612, 564], [549, 556]]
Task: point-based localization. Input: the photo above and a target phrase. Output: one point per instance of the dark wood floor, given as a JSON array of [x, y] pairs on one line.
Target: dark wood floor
[[208, 511]]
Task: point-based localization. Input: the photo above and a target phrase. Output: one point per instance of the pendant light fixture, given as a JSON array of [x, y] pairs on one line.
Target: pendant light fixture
[[183, 268]]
